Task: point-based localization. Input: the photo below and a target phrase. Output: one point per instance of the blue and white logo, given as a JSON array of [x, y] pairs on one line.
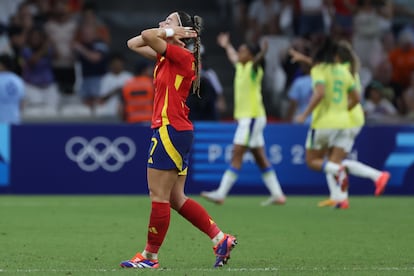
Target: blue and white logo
[[100, 152], [401, 158], [4, 155]]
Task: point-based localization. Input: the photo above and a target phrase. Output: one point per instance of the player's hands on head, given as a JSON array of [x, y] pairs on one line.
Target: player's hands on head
[[182, 32]]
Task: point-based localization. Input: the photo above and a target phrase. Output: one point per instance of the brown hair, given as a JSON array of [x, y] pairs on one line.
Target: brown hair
[[195, 22], [347, 54]]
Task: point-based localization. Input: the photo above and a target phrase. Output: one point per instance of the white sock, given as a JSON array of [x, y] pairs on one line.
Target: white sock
[[330, 179], [272, 183], [359, 169], [335, 192], [149, 255], [227, 181], [218, 238], [331, 167]]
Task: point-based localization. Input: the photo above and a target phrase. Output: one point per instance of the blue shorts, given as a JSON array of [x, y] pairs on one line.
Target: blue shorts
[[170, 149], [90, 87]]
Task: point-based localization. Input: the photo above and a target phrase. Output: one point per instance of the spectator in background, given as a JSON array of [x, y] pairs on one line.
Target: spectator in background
[[275, 77], [367, 34], [75, 6], [313, 18], [111, 87], [376, 106], [42, 10], [408, 99], [4, 41], [211, 103], [402, 62], [23, 18], [383, 75], [61, 28], [11, 92], [138, 94], [385, 9], [17, 42], [342, 19], [203, 106], [235, 9], [8, 9], [262, 17], [291, 67], [210, 74], [41, 90], [92, 54], [89, 15]]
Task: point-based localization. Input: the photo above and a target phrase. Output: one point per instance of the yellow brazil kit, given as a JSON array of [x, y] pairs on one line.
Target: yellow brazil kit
[[357, 113], [248, 101], [332, 111]]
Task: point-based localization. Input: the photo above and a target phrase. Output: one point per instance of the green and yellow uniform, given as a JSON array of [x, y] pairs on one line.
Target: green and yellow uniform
[[248, 101], [332, 112]]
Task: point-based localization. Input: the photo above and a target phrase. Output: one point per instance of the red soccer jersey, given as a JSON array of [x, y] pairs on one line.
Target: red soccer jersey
[[173, 76]]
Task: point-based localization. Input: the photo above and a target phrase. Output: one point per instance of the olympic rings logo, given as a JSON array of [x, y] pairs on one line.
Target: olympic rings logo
[[100, 152]]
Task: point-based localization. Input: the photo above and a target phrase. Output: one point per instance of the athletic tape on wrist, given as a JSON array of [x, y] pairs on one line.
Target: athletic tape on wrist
[[169, 32]]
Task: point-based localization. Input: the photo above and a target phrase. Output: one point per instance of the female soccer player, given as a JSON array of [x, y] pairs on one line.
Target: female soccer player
[[348, 57], [338, 198], [176, 72], [334, 95], [251, 121]]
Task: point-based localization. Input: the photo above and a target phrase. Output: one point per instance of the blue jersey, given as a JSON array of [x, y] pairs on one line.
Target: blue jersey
[[11, 95], [301, 92]]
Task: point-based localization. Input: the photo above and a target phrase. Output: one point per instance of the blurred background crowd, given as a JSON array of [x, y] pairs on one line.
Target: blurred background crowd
[[72, 57]]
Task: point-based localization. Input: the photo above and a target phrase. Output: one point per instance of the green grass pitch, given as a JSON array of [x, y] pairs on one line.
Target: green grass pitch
[[90, 235]]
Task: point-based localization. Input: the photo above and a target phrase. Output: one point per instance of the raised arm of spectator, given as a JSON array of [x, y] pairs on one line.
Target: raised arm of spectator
[[91, 55], [223, 39], [299, 57]]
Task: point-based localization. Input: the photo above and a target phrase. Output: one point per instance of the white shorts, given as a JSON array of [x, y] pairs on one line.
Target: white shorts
[[318, 139], [352, 133], [249, 132]]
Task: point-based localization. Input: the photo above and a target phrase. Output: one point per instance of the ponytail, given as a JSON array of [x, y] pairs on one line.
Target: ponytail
[[195, 22], [197, 54]]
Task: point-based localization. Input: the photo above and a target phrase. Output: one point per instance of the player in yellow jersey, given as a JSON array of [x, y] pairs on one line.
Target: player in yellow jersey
[[339, 197], [251, 118], [380, 178], [334, 94]]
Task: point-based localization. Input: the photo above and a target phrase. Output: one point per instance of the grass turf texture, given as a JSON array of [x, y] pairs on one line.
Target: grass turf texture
[[90, 235]]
